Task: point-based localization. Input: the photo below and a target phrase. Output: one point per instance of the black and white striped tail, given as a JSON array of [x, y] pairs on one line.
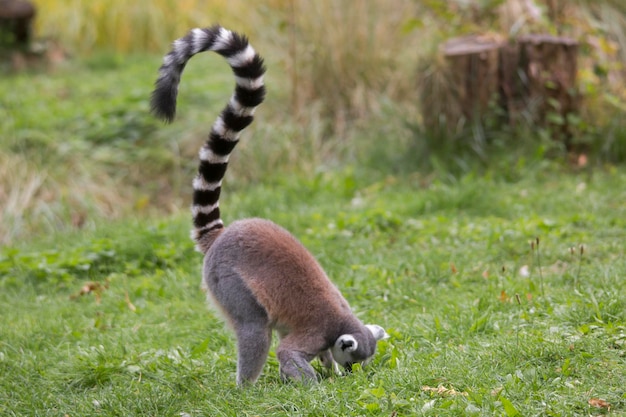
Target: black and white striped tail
[[249, 92]]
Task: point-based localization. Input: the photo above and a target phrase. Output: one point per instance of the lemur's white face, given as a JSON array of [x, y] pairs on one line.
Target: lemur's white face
[[343, 349], [346, 351]]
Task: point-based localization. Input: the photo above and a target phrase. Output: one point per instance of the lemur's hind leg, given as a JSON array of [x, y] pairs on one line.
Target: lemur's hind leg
[[247, 317], [253, 345]]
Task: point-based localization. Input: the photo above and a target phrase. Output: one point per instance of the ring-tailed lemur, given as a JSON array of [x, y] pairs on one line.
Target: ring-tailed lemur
[[257, 273]]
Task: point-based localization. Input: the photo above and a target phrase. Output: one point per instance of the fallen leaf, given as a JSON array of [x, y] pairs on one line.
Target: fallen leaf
[[599, 403], [443, 391], [97, 288], [130, 305]]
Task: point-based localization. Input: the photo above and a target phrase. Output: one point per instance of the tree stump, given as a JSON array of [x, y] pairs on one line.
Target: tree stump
[[531, 80], [512, 80], [16, 18], [473, 61], [550, 66]]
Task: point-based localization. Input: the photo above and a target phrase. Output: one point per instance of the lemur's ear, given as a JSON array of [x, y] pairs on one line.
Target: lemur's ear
[[378, 332], [347, 343]]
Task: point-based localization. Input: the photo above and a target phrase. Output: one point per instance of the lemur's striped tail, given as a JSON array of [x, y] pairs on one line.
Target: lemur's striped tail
[[249, 92]]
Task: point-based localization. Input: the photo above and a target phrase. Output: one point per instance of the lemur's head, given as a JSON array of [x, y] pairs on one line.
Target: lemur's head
[[357, 347]]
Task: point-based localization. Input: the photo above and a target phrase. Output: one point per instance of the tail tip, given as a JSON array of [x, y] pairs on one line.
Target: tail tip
[[166, 117], [162, 106]]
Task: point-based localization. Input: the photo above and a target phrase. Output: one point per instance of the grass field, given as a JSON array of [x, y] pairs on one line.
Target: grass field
[[112, 322], [503, 294]]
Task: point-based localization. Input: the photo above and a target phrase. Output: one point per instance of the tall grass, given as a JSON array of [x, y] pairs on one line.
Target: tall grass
[[342, 55], [345, 56], [343, 90], [74, 149], [144, 25], [41, 198]]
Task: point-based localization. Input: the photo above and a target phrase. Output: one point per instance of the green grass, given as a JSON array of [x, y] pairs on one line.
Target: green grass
[[87, 128], [438, 264]]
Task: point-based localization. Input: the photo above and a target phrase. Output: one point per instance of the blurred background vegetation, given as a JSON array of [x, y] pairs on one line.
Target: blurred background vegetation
[[347, 83]]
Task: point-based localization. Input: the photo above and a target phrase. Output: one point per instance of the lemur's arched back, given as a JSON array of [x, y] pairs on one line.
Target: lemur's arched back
[[257, 273]]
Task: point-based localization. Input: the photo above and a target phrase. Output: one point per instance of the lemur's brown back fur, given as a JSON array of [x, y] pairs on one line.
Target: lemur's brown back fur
[[272, 259]]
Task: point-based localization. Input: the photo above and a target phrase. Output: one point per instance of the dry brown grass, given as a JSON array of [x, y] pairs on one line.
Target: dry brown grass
[[128, 26], [341, 57], [40, 199], [340, 54], [334, 69], [19, 187]]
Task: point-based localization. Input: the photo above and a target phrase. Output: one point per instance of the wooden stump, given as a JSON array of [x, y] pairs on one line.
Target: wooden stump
[[531, 80], [550, 65], [16, 19], [513, 99], [473, 61]]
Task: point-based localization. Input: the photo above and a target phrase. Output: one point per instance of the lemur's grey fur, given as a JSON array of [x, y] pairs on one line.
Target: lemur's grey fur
[[256, 272]]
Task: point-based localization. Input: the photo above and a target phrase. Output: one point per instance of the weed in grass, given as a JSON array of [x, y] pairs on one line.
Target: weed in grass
[[519, 303], [580, 253], [534, 247]]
